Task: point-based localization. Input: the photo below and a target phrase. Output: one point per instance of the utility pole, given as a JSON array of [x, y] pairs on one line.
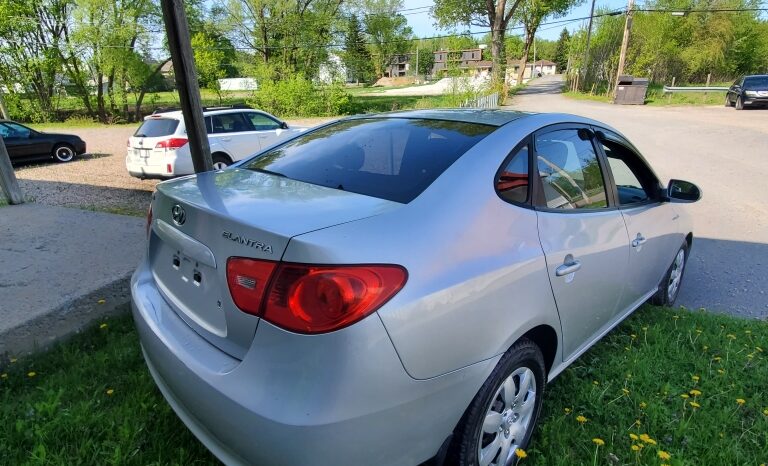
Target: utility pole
[[3, 110], [533, 72], [624, 44], [186, 81], [586, 49], [417, 61], [8, 183]]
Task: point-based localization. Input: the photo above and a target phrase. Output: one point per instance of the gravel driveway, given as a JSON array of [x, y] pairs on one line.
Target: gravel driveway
[[98, 180], [722, 150]]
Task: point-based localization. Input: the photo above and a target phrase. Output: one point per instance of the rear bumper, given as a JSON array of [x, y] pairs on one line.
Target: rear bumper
[[158, 166], [339, 398]]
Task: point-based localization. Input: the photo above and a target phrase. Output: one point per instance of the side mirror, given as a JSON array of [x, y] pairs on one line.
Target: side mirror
[[284, 125], [683, 191]]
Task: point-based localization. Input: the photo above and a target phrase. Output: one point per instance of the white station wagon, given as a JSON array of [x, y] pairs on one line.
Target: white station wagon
[[159, 147]]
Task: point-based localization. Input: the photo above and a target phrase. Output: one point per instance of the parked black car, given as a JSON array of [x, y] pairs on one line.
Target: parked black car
[[25, 143], [747, 91]]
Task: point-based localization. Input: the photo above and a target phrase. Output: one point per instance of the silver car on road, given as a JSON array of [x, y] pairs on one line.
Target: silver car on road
[[386, 289]]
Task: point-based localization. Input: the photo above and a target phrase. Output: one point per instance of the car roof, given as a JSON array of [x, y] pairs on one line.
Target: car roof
[[756, 76], [177, 115], [493, 117]]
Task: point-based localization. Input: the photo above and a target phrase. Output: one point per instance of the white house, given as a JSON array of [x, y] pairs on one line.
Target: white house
[[238, 84]]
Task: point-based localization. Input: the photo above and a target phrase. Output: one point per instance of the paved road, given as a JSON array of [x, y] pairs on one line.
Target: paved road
[[725, 152]]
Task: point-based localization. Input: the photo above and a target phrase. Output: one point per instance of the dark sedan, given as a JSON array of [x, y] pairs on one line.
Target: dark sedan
[[24, 143], [748, 91]]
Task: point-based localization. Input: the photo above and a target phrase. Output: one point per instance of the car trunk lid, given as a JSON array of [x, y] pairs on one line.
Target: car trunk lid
[[199, 222]]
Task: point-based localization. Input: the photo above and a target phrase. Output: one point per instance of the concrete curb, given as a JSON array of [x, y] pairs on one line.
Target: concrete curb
[[66, 320]]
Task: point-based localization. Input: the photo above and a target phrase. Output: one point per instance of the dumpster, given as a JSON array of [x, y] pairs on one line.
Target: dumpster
[[631, 90]]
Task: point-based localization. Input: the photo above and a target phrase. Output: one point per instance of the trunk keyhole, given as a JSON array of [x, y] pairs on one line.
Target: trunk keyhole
[[197, 277], [176, 262]]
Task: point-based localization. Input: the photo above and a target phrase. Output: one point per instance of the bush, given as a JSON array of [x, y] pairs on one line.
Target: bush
[[299, 97], [25, 109]]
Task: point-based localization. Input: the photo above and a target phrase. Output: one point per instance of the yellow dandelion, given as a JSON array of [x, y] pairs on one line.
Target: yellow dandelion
[[695, 392], [645, 329], [5, 376], [635, 447], [567, 410], [31, 374], [598, 441], [626, 348], [647, 439], [750, 356], [643, 405], [520, 453], [759, 350], [698, 330], [637, 422], [633, 437], [717, 359], [110, 392], [684, 396], [625, 391], [731, 336], [706, 347], [633, 336], [595, 382], [103, 326], [13, 360], [721, 371], [581, 419], [740, 401], [765, 411], [694, 405], [664, 455], [748, 332], [664, 464], [102, 301], [675, 317], [695, 378]]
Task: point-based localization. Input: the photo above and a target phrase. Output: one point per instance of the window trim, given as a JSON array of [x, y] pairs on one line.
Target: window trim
[[537, 195], [526, 141], [612, 136]]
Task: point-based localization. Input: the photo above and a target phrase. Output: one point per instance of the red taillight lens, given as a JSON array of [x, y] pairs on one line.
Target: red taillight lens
[[247, 280], [173, 143], [312, 298], [149, 220]]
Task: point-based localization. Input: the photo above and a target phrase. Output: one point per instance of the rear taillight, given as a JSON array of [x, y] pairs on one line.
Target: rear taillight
[[312, 298], [173, 143], [149, 220]]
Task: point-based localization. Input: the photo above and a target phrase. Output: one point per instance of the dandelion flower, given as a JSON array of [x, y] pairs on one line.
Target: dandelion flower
[[750, 356], [747, 331], [31, 374], [567, 410], [694, 404], [675, 317], [5, 376], [684, 396], [520, 453], [664, 455], [110, 392], [695, 392], [765, 411], [720, 371], [706, 347], [637, 422], [598, 441], [740, 401], [717, 359], [643, 405], [695, 378], [633, 336], [759, 350], [635, 447], [102, 301], [13, 360], [625, 391], [731, 336], [633, 437], [595, 382], [581, 419], [647, 439], [103, 326]]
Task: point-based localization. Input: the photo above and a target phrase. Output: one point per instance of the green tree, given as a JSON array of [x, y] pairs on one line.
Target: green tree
[[387, 31], [209, 61], [356, 57], [561, 51]]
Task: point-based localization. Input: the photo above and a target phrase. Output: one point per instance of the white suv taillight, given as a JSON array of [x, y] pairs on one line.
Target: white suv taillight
[[172, 143]]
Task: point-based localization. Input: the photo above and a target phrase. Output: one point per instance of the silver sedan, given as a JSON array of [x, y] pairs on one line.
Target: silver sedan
[[387, 289]]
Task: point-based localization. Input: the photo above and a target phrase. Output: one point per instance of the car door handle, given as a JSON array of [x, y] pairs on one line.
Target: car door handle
[[640, 240], [568, 267]]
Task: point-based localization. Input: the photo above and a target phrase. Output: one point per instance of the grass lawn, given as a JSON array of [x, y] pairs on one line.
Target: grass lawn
[[690, 384], [656, 97]]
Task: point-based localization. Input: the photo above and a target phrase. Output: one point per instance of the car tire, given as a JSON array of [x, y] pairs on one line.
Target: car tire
[[221, 161], [503, 400], [63, 153], [669, 287], [728, 100], [739, 103]]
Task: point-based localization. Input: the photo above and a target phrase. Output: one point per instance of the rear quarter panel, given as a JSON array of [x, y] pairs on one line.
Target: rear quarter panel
[[477, 275]]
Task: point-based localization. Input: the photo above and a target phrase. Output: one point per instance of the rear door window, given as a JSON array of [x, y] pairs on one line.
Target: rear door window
[[230, 123], [157, 127], [389, 158]]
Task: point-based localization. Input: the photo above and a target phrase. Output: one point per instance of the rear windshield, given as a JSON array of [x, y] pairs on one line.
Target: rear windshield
[[155, 127], [388, 158], [757, 82]]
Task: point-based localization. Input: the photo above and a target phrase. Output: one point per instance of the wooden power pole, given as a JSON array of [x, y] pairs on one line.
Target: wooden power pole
[[624, 44], [8, 183], [3, 110], [586, 48], [179, 44]]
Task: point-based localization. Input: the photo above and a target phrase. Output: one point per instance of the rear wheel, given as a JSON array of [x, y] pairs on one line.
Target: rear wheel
[[221, 161], [669, 287], [504, 412], [739, 103], [63, 153]]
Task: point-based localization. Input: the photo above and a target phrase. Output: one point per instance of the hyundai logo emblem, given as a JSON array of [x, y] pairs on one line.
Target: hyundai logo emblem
[[178, 215]]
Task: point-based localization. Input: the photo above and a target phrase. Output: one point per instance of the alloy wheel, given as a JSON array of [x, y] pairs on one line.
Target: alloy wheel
[[64, 154], [676, 275]]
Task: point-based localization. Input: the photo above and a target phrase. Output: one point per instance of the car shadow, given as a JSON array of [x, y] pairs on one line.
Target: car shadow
[[726, 276], [50, 161]]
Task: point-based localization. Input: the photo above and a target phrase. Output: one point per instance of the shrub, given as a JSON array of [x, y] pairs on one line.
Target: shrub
[[298, 97]]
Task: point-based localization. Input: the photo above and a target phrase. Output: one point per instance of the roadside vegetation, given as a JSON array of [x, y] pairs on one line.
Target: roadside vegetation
[[656, 97], [668, 386]]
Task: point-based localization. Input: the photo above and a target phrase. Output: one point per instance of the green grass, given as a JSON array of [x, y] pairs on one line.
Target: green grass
[[65, 414], [656, 97]]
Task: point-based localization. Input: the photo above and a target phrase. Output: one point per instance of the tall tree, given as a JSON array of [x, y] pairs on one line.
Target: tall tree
[[387, 30], [493, 14], [561, 50], [356, 57], [531, 13]]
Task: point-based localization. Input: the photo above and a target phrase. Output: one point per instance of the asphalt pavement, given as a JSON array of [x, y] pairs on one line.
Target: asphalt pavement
[[723, 151]]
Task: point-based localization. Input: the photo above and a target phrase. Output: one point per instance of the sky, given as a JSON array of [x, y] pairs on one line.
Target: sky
[[422, 22]]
